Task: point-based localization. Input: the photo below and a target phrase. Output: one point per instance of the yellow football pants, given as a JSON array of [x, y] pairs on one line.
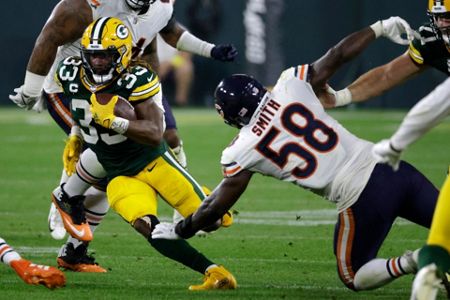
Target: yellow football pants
[[133, 197], [440, 227]]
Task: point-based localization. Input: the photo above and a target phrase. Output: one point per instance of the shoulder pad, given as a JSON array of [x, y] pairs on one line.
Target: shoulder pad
[[146, 83], [68, 68]]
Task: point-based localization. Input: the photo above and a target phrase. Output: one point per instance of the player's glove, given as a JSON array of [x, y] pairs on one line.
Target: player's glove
[[71, 154], [165, 231], [384, 152], [224, 52], [393, 29], [103, 114], [22, 100]]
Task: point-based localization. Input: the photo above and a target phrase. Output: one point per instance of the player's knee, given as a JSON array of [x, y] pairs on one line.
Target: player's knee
[[145, 225]]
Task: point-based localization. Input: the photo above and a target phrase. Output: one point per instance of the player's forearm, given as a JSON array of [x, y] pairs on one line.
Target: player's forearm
[[383, 78], [345, 50], [145, 132], [370, 84], [428, 112]]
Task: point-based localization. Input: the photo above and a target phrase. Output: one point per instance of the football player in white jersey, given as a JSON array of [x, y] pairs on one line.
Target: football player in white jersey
[[60, 38], [434, 257], [286, 133]]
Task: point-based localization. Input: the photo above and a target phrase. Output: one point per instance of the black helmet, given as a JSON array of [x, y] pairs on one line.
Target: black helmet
[[237, 97]]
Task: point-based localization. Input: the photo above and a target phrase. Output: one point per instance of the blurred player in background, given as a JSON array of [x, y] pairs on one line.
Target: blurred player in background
[[430, 48], [286, 134], [137, 162], [178, 66], [434, 258], [30, 272], [60, 38]]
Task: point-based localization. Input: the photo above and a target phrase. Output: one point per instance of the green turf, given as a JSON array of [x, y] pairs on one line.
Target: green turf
[[274, 249]]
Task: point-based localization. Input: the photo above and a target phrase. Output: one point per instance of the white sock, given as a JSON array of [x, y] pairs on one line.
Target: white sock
[[380, 271], [75, 186], [7, 253]]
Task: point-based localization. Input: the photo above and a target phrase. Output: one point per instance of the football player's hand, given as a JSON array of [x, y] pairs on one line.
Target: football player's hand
[[224, 52], [385, 153], [22, 100], [341, 97], [71, 153], [40, 105], [394, 29], [103, 114], [165, 231]]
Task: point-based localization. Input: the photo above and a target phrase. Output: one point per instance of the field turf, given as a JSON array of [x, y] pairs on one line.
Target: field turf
[[280, 246]]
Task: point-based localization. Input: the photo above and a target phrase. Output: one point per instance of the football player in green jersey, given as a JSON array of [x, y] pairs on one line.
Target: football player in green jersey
[[430, 48], [137, 161]]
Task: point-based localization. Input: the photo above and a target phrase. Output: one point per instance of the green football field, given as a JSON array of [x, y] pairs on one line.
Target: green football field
[[280, 246]]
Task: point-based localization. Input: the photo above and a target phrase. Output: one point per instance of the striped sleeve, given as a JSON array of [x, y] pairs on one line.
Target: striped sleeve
[[147, 90], [415, 54], [231, 169], [301, 72]]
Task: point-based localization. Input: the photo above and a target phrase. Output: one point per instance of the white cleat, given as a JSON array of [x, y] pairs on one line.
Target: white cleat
[[426, 284], [55, 223]]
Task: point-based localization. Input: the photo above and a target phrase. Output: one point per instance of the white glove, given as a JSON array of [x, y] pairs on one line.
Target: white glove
[[22, 100], [40, 105], [393, 28], [343, 97], [165, 231], [385, 153]]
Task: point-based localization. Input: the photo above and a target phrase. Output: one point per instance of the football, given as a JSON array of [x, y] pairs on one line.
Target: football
[[123, 107]]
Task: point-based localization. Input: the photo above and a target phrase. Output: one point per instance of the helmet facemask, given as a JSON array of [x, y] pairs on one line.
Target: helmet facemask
[[441, 26], [439, 14], [103, 71], [141, 6]]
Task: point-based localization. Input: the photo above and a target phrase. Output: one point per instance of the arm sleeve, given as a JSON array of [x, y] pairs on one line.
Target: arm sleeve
[[428, 112]]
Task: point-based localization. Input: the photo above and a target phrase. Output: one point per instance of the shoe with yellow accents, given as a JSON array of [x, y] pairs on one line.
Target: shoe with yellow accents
[[216, 278], [227, 219]]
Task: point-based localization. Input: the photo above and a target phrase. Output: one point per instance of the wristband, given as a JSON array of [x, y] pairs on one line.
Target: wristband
[[119, 125], [343, 97], [377, 27], [190, 43], [32, 86], [184, 228]]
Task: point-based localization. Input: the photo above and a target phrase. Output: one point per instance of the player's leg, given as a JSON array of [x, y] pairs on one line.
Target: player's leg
[[175, 143], [90, 182], [58, 107], [171, 134], [177, 187], [29, 272], [434, 257], [362, 228], [135, 200]]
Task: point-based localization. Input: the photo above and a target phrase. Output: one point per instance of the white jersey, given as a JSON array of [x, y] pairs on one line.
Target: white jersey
[[143, 29], [292, 138]]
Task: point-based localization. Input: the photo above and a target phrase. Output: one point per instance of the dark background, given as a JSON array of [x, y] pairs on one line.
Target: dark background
[[306, 30]]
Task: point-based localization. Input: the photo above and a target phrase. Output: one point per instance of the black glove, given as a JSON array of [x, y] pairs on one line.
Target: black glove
[[224, 52]]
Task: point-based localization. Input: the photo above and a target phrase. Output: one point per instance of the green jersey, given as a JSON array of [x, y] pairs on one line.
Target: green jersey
[[430, 50], [118, 154]]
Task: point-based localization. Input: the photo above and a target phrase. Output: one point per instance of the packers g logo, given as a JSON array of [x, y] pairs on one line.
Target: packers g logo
[[122, 31]]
